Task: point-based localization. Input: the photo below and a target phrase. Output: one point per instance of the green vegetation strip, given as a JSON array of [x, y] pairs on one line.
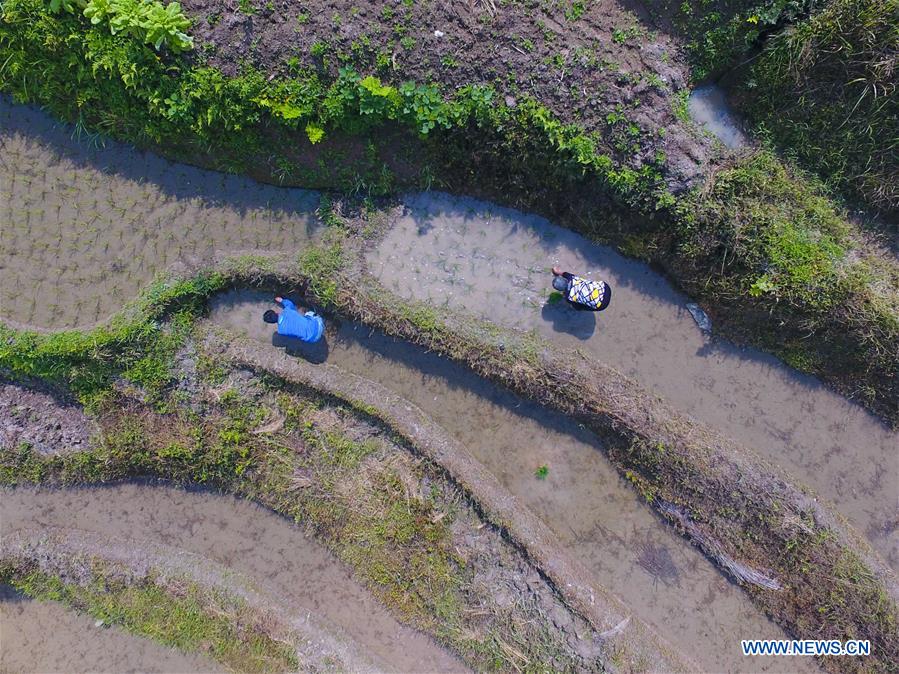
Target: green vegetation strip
[[176, 612], [731, 503]]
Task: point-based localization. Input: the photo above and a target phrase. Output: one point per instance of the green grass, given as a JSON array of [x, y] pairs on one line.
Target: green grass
[[777, 230], [825, 90], [194, 621], [134, 344]]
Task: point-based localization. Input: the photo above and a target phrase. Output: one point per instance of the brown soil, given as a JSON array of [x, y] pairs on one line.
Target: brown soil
[[41, 419], [599, 60]]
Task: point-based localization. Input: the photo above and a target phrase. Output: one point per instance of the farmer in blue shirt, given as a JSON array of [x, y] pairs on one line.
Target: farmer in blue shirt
[[308, 326]]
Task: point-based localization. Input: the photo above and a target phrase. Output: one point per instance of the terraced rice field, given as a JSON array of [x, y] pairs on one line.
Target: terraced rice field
[[87, 223]]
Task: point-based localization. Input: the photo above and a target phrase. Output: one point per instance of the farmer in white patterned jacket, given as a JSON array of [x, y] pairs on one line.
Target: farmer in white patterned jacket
[[581, 293]]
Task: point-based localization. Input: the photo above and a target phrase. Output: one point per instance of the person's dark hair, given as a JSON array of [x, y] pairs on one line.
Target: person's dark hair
[[270, 316]]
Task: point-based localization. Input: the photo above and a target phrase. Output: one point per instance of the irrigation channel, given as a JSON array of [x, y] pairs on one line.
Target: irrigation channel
[[45, 637], [89, 225], [260, 545], [596, 516]]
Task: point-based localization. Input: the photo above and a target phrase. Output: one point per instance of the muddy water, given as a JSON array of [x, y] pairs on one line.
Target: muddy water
[[495, 262], [86, 227], [596, 516], [83, 228], [47, 637], [708, 106], [266, 548]]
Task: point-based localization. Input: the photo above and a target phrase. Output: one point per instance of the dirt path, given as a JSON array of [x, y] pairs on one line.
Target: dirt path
[[597, 517], [495, 262], [241, 536], [47, 637]]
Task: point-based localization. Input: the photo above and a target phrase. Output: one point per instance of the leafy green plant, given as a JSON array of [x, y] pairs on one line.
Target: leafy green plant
[[149, 21], [576, 10], [166, 26], [314, 132], [542, 472]]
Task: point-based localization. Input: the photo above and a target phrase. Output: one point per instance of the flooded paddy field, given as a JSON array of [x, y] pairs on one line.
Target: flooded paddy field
[[494, 262], [89, 227], [47, 637], [64, 199], [243, 537], [595, 515], [86, 224]]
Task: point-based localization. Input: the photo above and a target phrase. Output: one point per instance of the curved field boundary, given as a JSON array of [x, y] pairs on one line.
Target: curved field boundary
[[81, 558], [736, 507], [608, 615]]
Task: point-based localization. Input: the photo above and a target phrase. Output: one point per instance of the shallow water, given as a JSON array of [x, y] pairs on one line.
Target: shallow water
[[708, 106], [60, 267], [85, 228], [47, 637], [242, 536], [495, 262], [597, 517]]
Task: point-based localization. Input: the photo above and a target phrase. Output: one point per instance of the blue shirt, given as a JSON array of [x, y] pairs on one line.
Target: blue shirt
[[308, 327]]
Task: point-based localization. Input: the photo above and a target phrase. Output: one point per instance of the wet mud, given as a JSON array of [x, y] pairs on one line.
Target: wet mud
[[597, 517], [87, 223], [47, 637], [41, 419], [244, 537], [494, 262]]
